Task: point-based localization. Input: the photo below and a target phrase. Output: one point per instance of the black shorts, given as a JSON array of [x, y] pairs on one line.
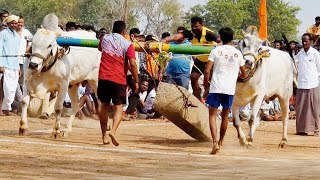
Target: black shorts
[[200, 65], [108, 90]]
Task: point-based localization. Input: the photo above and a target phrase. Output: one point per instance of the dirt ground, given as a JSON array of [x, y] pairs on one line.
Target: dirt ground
[[152, 149]]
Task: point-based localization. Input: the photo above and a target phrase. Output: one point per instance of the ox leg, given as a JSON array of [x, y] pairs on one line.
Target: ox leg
[[58, 109], [254, 120], [284, 104], [237, 125], [23, 129], [73, 94]]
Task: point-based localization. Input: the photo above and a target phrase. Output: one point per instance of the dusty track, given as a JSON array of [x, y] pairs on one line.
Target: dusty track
[[151, 149]]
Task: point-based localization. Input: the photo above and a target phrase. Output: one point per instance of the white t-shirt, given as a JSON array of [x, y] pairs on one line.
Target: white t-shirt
[[150, 100], [308, 68], [266, 107], [24, 38], [227, 61], [143, 95]]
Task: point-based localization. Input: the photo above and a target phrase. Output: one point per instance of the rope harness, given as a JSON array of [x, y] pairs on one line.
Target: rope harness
[[257, 63], [51, 59], [186, 102]]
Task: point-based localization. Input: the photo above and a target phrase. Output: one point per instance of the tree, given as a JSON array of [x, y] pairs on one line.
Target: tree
[[160, 15], [35, 10], [99, 13], [103, 13], [239, 14]]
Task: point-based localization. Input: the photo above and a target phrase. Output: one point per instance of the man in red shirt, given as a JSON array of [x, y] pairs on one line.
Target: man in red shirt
[[118, 56]]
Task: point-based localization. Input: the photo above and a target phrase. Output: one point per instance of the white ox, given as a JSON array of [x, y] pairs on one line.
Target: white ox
[[51, 68], [274, 77]]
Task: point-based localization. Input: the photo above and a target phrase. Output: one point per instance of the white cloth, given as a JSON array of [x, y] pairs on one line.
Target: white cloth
[[81, 91], [245, 109], [143, 95], [266, 107], [25, 37], [150, 100], [308, 68], [10, 83], [227, 61]]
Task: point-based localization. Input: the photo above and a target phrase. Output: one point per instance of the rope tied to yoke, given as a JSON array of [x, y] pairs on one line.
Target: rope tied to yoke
[[257, 63], [164, 57]]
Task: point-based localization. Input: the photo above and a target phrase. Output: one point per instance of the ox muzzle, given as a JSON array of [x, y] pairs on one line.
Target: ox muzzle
[[33, 66]]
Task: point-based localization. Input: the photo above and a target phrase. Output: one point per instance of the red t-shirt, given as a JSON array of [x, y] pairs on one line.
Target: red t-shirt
[[116, 51]]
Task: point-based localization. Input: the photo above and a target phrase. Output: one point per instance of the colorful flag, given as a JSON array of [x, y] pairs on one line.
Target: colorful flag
[[263, 30]]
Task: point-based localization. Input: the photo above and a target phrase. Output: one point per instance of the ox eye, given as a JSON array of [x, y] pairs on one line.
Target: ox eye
[[50, 46], [244, 44]]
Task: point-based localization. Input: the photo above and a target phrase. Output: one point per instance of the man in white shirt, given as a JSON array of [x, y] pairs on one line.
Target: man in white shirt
[[25, 39], [9, 66], [226, 62], [307, 97]]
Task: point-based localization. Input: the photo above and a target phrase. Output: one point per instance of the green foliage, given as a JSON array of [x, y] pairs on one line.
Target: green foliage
[[239, 14], [99, 13], [159, 15]]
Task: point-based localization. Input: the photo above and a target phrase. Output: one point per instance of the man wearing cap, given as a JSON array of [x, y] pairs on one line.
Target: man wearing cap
[[9, 65]]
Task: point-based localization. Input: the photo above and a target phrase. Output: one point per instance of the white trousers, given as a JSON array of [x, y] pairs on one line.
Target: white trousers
[[10, 83]]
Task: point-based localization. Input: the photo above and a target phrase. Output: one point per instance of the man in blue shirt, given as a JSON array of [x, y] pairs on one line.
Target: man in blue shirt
[[9, 66], [178, 69]]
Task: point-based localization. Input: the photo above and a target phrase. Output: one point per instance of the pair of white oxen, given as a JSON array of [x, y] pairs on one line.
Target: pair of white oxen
[[273, 77]]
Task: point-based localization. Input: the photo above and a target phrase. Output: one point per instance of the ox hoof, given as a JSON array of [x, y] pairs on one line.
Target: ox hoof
[[23, 132], [56, 134], [64, 133], [283, 143], [243, 142], [249, 145]]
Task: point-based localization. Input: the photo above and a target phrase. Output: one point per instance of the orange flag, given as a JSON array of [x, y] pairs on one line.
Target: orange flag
[[263, 31]]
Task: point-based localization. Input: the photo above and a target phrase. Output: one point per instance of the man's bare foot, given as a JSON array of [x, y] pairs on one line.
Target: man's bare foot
[[105, 140], [215, 148], [220, 144], [113, 139]]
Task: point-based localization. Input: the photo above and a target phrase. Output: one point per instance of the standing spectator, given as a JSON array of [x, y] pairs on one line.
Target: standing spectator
[[71, 26], [134, 37], [226, 61], [3, 15], [101, 33], [25, 45], [314, 29], [164, 35], [277, 44], [201, 36], [9, 66], [307, 97], [117, 57], [294, 47]]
